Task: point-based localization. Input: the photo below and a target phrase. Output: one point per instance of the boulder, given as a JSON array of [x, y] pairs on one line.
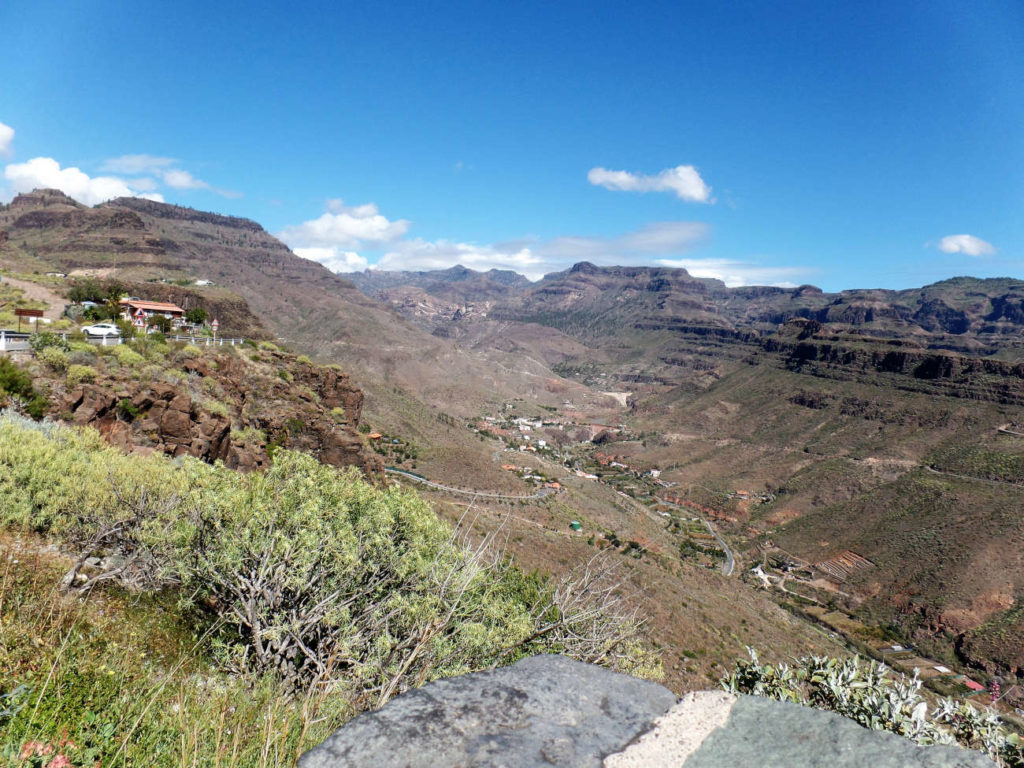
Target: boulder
[[541, 711], [551, 711]]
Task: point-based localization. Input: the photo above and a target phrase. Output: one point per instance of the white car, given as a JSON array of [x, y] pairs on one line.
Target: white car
[[102, 329]]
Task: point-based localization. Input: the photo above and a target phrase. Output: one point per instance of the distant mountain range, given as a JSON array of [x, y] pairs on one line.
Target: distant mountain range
[[969, 315]]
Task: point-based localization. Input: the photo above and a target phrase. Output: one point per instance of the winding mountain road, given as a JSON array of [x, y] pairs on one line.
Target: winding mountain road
[[540, 494], [729, 564]]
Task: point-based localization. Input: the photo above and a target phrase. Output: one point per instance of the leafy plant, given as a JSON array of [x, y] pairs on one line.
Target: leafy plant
[[54, 358], [868, 693], [306, 572], [16, 383], [127, 356], [47, 340], [127, 410], [161, 323], [79, 374], [196, 316]]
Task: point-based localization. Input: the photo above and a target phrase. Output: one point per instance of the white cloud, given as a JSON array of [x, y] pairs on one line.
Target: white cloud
[[736, 273], [966, 244], [179, 179], [132, 164], [162, 168], [143, 184], [46, 172], [683, 180], [536, 258], [345, 227], [334, 259], [6, 138], [420, 254]]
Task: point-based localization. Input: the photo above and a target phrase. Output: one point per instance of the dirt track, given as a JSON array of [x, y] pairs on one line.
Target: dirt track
[[36, 292]]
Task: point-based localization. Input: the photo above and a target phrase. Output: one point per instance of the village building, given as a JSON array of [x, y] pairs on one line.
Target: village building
[[139, 312]]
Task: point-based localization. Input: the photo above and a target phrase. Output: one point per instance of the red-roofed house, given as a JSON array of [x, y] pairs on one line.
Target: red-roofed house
[[135, 310]]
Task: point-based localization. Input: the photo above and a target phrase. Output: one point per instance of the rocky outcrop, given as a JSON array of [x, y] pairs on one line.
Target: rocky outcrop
[[551, 711], [276, 402], [158, 417]]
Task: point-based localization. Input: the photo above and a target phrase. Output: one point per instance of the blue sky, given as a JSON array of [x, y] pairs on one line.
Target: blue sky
[[842, 144]]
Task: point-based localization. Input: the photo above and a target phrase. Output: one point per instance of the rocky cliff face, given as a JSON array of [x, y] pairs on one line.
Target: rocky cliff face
[[274, 401]]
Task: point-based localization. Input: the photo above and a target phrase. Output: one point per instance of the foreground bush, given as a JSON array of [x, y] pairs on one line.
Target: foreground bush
[[304, 575], [868, 693], [16, 390]]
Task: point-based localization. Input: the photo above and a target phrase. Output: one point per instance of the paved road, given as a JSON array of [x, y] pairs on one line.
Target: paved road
[[729, 564], [540, 494]]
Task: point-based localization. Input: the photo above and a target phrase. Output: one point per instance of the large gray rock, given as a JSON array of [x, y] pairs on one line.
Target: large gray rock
[[550, 711], [541, 711], [774, 734]]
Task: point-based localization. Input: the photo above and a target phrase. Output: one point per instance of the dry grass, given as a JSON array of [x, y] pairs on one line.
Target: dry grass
[[115, 679]]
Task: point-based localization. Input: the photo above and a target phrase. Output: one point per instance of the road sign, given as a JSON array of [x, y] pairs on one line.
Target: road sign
[[19, 313], [215, 325]]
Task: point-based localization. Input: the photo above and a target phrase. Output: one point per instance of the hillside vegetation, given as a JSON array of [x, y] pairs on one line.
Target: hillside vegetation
[[181, 613]]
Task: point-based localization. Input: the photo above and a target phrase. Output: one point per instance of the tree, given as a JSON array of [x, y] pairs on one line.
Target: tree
[[126, 328], [196, 316], [161, 323], [85, 289]]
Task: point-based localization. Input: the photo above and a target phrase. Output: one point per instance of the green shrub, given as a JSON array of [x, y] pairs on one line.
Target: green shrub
[[216, 407], [249, 436], [80, 374], [16, 385], [268, 346], [869, 694], [339, 413], [127, 356], [151, 346], [304, 359], [126, 328], [54, 358], [127, 410], [304, 571], [47, 340], [161, 323], [189, 350], [83, 347]]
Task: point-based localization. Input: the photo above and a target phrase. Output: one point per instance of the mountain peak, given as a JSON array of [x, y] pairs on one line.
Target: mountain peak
[[43, 197]]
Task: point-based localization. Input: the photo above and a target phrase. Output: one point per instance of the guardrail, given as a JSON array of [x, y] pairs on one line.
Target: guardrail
[[17, 341], [209, 341]]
